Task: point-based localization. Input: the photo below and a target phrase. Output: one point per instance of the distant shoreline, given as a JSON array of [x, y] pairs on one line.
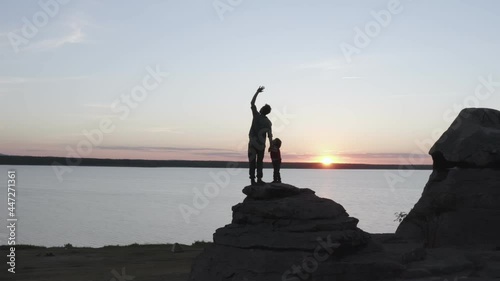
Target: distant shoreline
[[143, 163]]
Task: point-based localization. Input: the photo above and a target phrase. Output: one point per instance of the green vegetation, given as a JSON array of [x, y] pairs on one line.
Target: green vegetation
[[400, 216], [201, 243]]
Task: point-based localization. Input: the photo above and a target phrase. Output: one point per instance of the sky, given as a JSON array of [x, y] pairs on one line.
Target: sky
[[354, 81]]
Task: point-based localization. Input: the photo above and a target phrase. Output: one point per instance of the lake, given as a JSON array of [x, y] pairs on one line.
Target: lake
[[97, 206]]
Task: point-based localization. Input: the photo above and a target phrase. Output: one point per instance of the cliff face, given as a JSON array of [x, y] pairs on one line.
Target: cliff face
[[460, 204], [281, 232]]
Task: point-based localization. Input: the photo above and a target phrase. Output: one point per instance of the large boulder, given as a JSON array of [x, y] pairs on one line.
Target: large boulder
[[460, 205], [281, 232], [472, 141], [279, 216]]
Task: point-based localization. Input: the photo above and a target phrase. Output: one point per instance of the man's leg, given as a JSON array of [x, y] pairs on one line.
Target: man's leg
[[252, 158], [260, 164]]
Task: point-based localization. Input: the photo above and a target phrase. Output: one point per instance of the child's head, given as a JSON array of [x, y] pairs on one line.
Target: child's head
[[277, 142]]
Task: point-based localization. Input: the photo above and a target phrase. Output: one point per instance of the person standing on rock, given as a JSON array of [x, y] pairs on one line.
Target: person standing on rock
[[260, 129], [275, 151]]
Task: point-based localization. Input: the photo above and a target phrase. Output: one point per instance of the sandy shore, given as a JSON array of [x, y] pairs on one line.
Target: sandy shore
[[143, 262]]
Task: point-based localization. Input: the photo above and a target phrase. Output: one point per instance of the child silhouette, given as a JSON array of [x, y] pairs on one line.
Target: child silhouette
[[276, 159]]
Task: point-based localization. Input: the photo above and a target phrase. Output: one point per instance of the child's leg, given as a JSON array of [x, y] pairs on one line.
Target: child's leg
[[275, 170], [278, 166]]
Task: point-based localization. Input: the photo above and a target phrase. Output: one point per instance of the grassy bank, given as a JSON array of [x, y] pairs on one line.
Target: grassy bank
[[143, 262]]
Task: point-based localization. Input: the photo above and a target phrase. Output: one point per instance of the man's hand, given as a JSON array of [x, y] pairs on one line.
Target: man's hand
[[259, 90]]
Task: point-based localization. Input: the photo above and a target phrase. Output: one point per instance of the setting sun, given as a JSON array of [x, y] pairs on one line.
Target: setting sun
[[327, 161]]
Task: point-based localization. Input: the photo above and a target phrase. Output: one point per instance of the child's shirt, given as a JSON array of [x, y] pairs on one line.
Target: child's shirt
[[275, 153]]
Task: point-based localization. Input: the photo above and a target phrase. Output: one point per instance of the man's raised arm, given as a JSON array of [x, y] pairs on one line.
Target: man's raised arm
[[259, 90]]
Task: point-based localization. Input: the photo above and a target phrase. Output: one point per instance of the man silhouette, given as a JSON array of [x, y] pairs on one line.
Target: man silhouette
[[261, 127]]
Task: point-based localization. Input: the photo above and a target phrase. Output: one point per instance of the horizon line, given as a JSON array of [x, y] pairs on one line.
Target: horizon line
[[220, 161]]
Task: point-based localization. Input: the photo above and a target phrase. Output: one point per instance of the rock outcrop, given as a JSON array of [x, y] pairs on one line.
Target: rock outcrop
[[281, 232], [472, 141], [460, 204]]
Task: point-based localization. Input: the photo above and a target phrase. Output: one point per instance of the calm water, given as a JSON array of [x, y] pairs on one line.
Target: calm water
[[96, 206]]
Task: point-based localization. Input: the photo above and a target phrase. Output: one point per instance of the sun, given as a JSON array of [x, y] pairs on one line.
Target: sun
[[327, 161]]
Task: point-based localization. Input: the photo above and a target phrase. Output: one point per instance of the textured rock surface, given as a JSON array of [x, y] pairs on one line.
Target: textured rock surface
[[280, 227], [281, 216], [280, 232], [473, 140], [460, 204], [458, 207]]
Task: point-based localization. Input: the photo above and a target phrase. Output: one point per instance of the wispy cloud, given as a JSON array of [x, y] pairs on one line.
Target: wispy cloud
[[164, 148], [361, 156], [97, 105], [12, 80], [74, 36], [351, 77], [23, 80], [321, 65], [222, 154], [163, 130], [382, 155], [419, 95]]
